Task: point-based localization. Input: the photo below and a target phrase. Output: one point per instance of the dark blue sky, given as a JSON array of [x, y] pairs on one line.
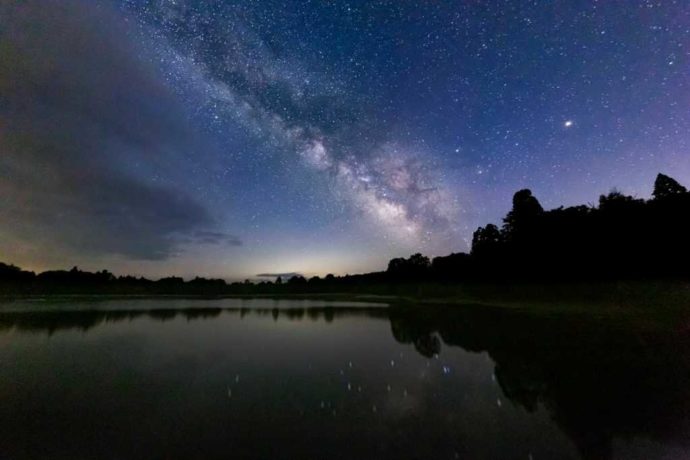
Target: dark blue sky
[[245, 137]]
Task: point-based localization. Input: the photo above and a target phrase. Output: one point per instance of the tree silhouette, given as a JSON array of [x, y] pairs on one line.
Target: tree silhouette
[[297, 280], [525, 209], [616, 201], [665, 187], [416, 267], [486, 241]]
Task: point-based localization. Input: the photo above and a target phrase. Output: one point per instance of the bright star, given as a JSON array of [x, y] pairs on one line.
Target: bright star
[[568, 123]]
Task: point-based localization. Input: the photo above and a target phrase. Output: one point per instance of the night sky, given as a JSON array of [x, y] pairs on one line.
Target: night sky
[[238, 138]]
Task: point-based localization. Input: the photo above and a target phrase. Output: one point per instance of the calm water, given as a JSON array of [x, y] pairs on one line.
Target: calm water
[[317, 380]]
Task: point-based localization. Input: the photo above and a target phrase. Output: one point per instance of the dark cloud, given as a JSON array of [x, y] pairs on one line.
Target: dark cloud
[[86, 124], [276, 275], [209, 237]]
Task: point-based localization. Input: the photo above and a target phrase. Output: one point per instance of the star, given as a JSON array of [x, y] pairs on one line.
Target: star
[[404, 131]]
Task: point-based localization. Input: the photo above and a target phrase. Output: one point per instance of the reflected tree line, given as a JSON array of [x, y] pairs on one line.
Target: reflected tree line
[[622, 237], [51, 321], [598, 380]]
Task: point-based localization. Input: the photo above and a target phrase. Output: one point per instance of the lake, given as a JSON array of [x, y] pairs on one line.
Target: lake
[[274, 379]]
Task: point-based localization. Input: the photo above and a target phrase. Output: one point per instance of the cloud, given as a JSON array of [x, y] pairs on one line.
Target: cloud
[[85, 126], [209, 237], [276, 275]]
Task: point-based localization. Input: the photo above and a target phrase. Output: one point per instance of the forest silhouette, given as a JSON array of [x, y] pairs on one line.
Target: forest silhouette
[[621, 238]]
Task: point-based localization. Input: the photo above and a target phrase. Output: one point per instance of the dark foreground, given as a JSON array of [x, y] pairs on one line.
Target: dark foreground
[[307, 379]]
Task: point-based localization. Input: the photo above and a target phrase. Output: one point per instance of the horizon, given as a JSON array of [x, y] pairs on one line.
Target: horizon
[[665, 187], [231, 140]]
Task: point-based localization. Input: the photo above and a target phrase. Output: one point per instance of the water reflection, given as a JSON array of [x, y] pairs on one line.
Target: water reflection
[[599, 381], [85, 320], [615, 390]]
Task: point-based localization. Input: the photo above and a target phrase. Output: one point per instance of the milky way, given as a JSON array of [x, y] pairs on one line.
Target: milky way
[[236, 138], [307, 112]]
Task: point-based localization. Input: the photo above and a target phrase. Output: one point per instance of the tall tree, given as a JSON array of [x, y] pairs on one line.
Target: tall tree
[[665, 186]]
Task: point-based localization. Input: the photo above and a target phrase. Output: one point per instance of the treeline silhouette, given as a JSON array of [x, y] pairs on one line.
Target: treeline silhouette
[[621, 238]]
